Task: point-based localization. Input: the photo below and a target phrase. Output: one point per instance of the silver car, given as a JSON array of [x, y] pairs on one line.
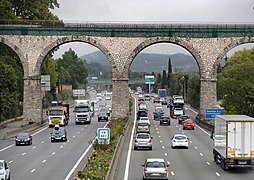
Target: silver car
[[143, 140], [143, 126], [4, 170], [155, 168]]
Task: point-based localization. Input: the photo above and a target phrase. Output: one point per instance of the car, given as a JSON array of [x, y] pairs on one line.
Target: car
[[143, 126], [106, 109], [164, 102], [23, 139], [141, 101], [58, 134], [109, 108], [142, 113], [143, 140], [155, 168], [142, 107], [189, 124], [182, 118], [156, 100], [147, 97], [160, 108], [103, 115], [165, 120], [180, 140], [156, 115], [5, 173], [177, 111]]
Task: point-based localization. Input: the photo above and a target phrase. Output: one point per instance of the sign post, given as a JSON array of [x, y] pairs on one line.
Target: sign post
[[149, 79], [211, 112], [103, 135]]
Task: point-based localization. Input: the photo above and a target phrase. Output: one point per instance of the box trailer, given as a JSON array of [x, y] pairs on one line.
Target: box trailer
[[234, 141]]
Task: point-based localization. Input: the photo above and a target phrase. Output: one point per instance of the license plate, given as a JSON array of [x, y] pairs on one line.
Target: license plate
[[242, 162]]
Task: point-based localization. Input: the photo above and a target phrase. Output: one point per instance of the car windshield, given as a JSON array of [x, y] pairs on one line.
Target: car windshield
[[82, 109], [184, 117], [103, 113], [59, 131], [188, 121], [155, 164], [23, 136], [178, 109], [55, 112], [1, 165], [143, 136], [142, 113], [180, 137]]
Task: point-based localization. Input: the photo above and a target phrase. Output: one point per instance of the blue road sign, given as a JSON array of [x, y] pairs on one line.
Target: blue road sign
[[211, 112], [103, 134], [88, 78]]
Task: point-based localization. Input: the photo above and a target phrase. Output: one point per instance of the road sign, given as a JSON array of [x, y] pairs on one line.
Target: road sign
[[78, 92], [88, 78], [211, 112], [103, 135], [45, 82], [149, 80]]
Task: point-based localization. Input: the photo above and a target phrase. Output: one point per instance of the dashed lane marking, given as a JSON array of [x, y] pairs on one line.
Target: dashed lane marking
[[166, 154], [195, 147], [44, 161], [53, 153], [217, 173], [32, 170], [208, 163], [201, 154], [163, 147], [23, 154], [10, 161], [172, 173]]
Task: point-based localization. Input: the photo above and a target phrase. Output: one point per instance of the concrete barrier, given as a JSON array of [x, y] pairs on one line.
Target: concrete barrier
[[11, 120], [15, 132]]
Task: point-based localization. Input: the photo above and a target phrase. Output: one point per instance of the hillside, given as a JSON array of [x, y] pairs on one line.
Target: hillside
[[150, 62]]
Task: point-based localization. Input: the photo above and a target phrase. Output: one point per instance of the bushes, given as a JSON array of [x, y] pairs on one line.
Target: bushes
[[98, 165]]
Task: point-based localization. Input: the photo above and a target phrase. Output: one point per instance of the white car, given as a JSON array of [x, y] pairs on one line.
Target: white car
[[5, 173], [143, 126], [180, 140], [143, 140], [155, 168]]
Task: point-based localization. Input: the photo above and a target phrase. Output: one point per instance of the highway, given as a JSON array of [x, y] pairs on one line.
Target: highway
[[46, 160], [194, 163]]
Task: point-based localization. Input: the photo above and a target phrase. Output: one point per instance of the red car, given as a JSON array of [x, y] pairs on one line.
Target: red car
[[156, 100], [189, 124]]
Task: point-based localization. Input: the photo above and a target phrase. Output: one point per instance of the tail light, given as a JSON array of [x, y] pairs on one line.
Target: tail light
[[166, 169], [149, 125], [174, 140], [145, 169], [136, 140], [136, 126], [150, 141]]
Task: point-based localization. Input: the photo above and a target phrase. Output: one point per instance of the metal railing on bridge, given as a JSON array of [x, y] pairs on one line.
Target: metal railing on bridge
[[109, 82], [128, 29]]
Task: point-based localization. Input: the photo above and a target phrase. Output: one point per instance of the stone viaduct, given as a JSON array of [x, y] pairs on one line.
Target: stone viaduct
[[120, 44]]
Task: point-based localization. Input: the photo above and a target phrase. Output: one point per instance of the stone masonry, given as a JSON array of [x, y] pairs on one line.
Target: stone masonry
[[120, 52]]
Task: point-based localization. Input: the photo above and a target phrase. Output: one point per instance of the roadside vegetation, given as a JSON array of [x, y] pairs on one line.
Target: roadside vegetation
[[99, 162]]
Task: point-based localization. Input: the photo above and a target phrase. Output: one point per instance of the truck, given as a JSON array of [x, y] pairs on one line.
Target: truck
[[58, 114], [233, 141], [83, 111]]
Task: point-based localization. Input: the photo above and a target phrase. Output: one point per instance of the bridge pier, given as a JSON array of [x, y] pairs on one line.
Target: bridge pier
[[208, 96], [32, 100], [120, 98]]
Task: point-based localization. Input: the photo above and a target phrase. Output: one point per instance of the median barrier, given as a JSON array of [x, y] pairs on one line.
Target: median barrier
[[11, 120]]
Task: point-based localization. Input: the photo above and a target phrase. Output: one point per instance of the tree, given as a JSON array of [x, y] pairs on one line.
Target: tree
[[236, 83], [6, 11], [164, 79], [193, 95]]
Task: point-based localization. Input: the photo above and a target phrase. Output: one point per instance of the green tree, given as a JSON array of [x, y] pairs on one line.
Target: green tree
[[6, 11], [164, 79], [236, 83], [193, 95]]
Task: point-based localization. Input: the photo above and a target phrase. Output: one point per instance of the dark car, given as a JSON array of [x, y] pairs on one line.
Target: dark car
[[156, 115], [23, 139], [182, 118], [103, 115], [165, 120], [156, 100], [58, 134], [142, 113]]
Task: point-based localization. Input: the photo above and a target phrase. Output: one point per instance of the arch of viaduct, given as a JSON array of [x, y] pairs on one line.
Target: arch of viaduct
[[120, 51]]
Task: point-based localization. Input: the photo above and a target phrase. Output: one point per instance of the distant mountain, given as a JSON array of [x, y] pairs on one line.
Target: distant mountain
[[146, 62]]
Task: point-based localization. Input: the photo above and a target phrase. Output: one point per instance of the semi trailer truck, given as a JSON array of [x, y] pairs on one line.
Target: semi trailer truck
[[234, 141]]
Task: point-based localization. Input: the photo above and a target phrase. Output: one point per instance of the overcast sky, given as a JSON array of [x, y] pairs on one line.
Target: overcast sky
[[187, 11]]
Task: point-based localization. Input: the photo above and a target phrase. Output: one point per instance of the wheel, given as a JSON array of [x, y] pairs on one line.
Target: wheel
[[193, 128], [135, 148], [223, 164], [169, 124], [215, 158], [31, 142], [98, 120], [151, 148]]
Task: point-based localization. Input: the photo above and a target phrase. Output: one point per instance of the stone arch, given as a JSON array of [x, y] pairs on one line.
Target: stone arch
[[177, 41], [18, 51], [230, 46], [64, 40]]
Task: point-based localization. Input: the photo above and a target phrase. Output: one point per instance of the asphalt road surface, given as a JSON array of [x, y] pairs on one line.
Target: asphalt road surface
[[53, 161], [194, 163]]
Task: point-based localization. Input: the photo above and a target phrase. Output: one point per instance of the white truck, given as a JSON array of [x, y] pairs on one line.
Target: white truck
[[83, 111], [234, 141]]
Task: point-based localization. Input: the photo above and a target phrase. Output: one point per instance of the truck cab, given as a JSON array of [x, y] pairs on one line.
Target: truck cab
[[58, 115], [83, 111]]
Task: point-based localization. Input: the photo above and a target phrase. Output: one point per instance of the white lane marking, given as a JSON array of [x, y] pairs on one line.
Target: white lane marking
[[195, 147], [127, 164], [6, 147], [42, 142], [160, 141], [23, 154], [172, 173], [34, 147], [85, 125], [68, 141], [78, 132], [159, 136], [39, 131], [82, 129], [32, 170], [10, 161], [168, 162], [61, 147], [156, 129], [208, 163], [201, 154], [182, 132], [179, 129], [163, 147], [217, 174], [82, 157], [44, 161], [203, 130], [73, 136], [155, 125], [190, 141], [53, 153], [158, 132], [166, 154]]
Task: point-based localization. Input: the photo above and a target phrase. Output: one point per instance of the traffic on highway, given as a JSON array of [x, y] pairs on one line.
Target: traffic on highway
[[55, 152], [174, 146]]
